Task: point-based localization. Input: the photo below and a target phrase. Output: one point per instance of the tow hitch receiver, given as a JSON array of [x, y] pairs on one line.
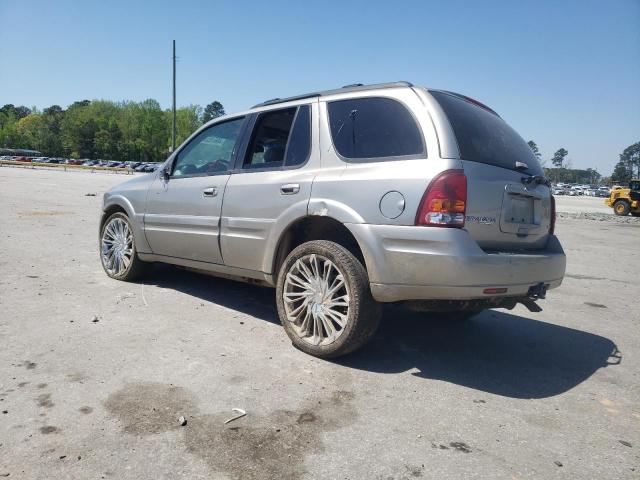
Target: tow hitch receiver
[[537, 291]]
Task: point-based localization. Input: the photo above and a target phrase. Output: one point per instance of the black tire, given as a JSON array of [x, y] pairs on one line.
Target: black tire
[[136, 268], [363, 314], [622, 208]]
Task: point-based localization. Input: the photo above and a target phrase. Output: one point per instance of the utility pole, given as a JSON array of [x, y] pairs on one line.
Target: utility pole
[[173, 131]]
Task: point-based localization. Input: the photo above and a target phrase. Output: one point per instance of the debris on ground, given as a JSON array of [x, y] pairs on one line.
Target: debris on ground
[[460, 447], [600, 217], [89, 194], [95, 319], [124, 297], [625, 443], [182, 421], [558, 463], [595, 305], [240, 413]]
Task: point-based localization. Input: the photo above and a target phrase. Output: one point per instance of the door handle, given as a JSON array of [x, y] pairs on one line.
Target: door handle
[[210, 192], [290, 189]]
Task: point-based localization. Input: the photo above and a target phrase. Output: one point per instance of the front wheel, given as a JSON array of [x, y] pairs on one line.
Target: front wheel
[[118, 249], [324, 300], [621, 208]]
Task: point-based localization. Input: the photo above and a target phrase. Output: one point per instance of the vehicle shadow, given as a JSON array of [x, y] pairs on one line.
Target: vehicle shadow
[[250, 299], [495, 352]]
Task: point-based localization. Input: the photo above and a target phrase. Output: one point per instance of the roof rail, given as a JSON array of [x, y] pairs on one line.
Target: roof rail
[[356, 87]]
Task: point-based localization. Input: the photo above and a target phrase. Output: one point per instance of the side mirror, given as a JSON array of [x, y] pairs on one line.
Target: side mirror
[[164, 173]]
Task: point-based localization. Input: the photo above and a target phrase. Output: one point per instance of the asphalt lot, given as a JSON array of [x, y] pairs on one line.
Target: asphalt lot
[[509, 395]]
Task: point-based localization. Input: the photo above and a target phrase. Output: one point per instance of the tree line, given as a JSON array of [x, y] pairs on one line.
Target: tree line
[[628, 167], [139, 131]]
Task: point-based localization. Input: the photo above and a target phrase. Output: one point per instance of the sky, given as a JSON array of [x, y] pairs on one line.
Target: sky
[[562, 73]]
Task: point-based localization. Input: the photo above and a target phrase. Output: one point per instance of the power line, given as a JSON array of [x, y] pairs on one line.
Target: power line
[[173, 130]]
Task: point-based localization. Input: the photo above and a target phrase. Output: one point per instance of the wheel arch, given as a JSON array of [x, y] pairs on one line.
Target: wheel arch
[[110, 210], [118, 203], [314, 227]]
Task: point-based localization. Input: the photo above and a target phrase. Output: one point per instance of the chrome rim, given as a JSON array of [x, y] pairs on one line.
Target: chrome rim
[[316, 300], [117, 247]]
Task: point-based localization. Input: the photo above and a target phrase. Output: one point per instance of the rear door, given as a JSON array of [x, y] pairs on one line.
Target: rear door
[[270, 187], [508, 200], [183, 212]]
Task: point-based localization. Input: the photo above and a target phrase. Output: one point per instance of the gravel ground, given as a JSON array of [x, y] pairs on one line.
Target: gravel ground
[[95, 373], [582, 204]]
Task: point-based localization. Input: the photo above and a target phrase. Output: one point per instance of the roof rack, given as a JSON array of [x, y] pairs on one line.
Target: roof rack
[[355, 87]]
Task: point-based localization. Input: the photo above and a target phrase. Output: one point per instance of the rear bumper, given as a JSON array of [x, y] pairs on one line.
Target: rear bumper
[[422, 263]]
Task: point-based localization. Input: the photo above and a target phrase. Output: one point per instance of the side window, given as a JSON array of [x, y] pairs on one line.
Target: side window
[[280, 138], [374, 127], [210, 152]]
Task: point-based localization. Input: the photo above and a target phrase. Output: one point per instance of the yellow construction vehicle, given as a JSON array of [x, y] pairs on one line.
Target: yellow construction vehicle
[[626, 200]]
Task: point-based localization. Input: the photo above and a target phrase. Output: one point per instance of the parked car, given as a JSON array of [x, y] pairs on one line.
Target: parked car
[[346, 199]]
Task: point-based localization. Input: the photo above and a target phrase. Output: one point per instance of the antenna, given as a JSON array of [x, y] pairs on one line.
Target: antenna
[[173, 130]]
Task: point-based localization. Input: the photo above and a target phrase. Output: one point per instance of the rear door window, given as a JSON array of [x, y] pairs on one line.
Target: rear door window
[[300, 142], [374, 128], [281, 138], [483, 136]]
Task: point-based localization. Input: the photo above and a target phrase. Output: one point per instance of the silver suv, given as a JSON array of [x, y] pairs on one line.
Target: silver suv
[[346, 199]]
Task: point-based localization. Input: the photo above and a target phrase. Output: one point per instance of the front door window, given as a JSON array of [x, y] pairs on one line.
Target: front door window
[[210, 152]]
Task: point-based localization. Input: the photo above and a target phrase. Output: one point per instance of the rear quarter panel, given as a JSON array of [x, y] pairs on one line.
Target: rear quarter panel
[[351, 192]]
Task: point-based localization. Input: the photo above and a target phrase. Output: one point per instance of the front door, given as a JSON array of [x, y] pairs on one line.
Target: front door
[[183, 210], [270, 187]]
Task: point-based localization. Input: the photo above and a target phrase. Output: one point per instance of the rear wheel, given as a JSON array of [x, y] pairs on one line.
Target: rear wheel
[[621, 207], [118, 249], [324, 300]]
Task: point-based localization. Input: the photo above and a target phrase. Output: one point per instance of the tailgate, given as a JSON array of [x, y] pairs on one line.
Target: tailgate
[[503, 213]]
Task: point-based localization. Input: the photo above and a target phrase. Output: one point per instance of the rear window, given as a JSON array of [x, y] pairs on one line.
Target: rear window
[[374, 128], [484, 137]]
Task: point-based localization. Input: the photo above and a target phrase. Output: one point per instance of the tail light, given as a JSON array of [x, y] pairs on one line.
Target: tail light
[[552, 226], [445, 201]]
